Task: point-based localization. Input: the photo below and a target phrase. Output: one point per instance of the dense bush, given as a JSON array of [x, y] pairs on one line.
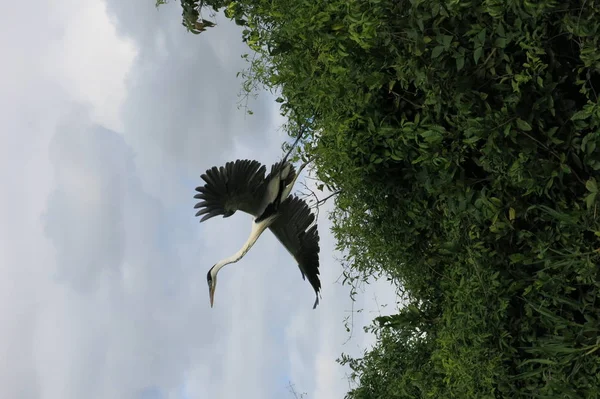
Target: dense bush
[[465, 137]]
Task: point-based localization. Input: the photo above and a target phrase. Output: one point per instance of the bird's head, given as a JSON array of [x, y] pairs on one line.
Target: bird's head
[[212, 283]]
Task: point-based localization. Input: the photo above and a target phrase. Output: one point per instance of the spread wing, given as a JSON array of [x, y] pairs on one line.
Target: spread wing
[[238, 185], [295, 229]]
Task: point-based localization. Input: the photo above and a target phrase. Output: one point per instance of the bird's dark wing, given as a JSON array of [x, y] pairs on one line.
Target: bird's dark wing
[[295, 229], [238, 185]]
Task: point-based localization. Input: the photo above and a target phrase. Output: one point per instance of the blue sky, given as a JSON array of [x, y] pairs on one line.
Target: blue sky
[[110, 111]]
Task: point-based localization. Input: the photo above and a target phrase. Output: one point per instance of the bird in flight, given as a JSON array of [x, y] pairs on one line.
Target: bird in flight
[[242, 185]]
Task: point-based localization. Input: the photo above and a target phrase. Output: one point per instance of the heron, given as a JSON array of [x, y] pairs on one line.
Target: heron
[[242, 185]]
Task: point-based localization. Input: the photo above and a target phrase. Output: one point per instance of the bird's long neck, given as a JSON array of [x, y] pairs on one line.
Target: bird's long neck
[[257, 230]]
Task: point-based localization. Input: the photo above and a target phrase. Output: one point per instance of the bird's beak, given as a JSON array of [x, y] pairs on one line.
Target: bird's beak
[[212, 295]]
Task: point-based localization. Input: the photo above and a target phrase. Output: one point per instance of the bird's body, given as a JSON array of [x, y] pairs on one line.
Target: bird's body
[[242, 185]]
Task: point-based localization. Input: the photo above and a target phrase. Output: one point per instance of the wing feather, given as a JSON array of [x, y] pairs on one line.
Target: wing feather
[[238, 185], [295, 229]]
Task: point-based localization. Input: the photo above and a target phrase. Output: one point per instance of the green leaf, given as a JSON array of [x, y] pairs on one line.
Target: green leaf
[[481, 36], [437, 51], [591, 185], [580, 115], [432, 136], [396, 157], [446, 40], [471, 140], [591, 147], [477, 54], [500, 30], [541, 361], [420, 24], [521, 124], [460, 63], [540, 81], [590, 199], [515, 258]]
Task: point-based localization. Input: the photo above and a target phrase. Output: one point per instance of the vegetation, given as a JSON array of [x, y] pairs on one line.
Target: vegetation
[[464, 136]]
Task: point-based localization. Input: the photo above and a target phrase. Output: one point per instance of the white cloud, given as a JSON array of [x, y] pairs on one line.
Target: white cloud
[[91, 62], [85, 212]]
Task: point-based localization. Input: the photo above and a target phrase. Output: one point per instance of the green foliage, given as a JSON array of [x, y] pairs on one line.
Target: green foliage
[[192, 13], [465, 137]]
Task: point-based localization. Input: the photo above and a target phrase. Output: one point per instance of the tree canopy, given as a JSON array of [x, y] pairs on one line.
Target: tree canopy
[[464, 136]]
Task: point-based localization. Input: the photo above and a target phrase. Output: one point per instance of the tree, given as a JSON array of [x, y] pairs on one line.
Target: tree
[[464, 136]]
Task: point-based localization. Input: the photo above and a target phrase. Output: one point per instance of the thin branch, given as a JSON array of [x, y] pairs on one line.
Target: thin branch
[[302, 130], [312, 193], [321, 202], [292, 390]]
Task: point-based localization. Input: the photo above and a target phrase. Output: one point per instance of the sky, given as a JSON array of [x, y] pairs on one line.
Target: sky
[[109, 113]]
